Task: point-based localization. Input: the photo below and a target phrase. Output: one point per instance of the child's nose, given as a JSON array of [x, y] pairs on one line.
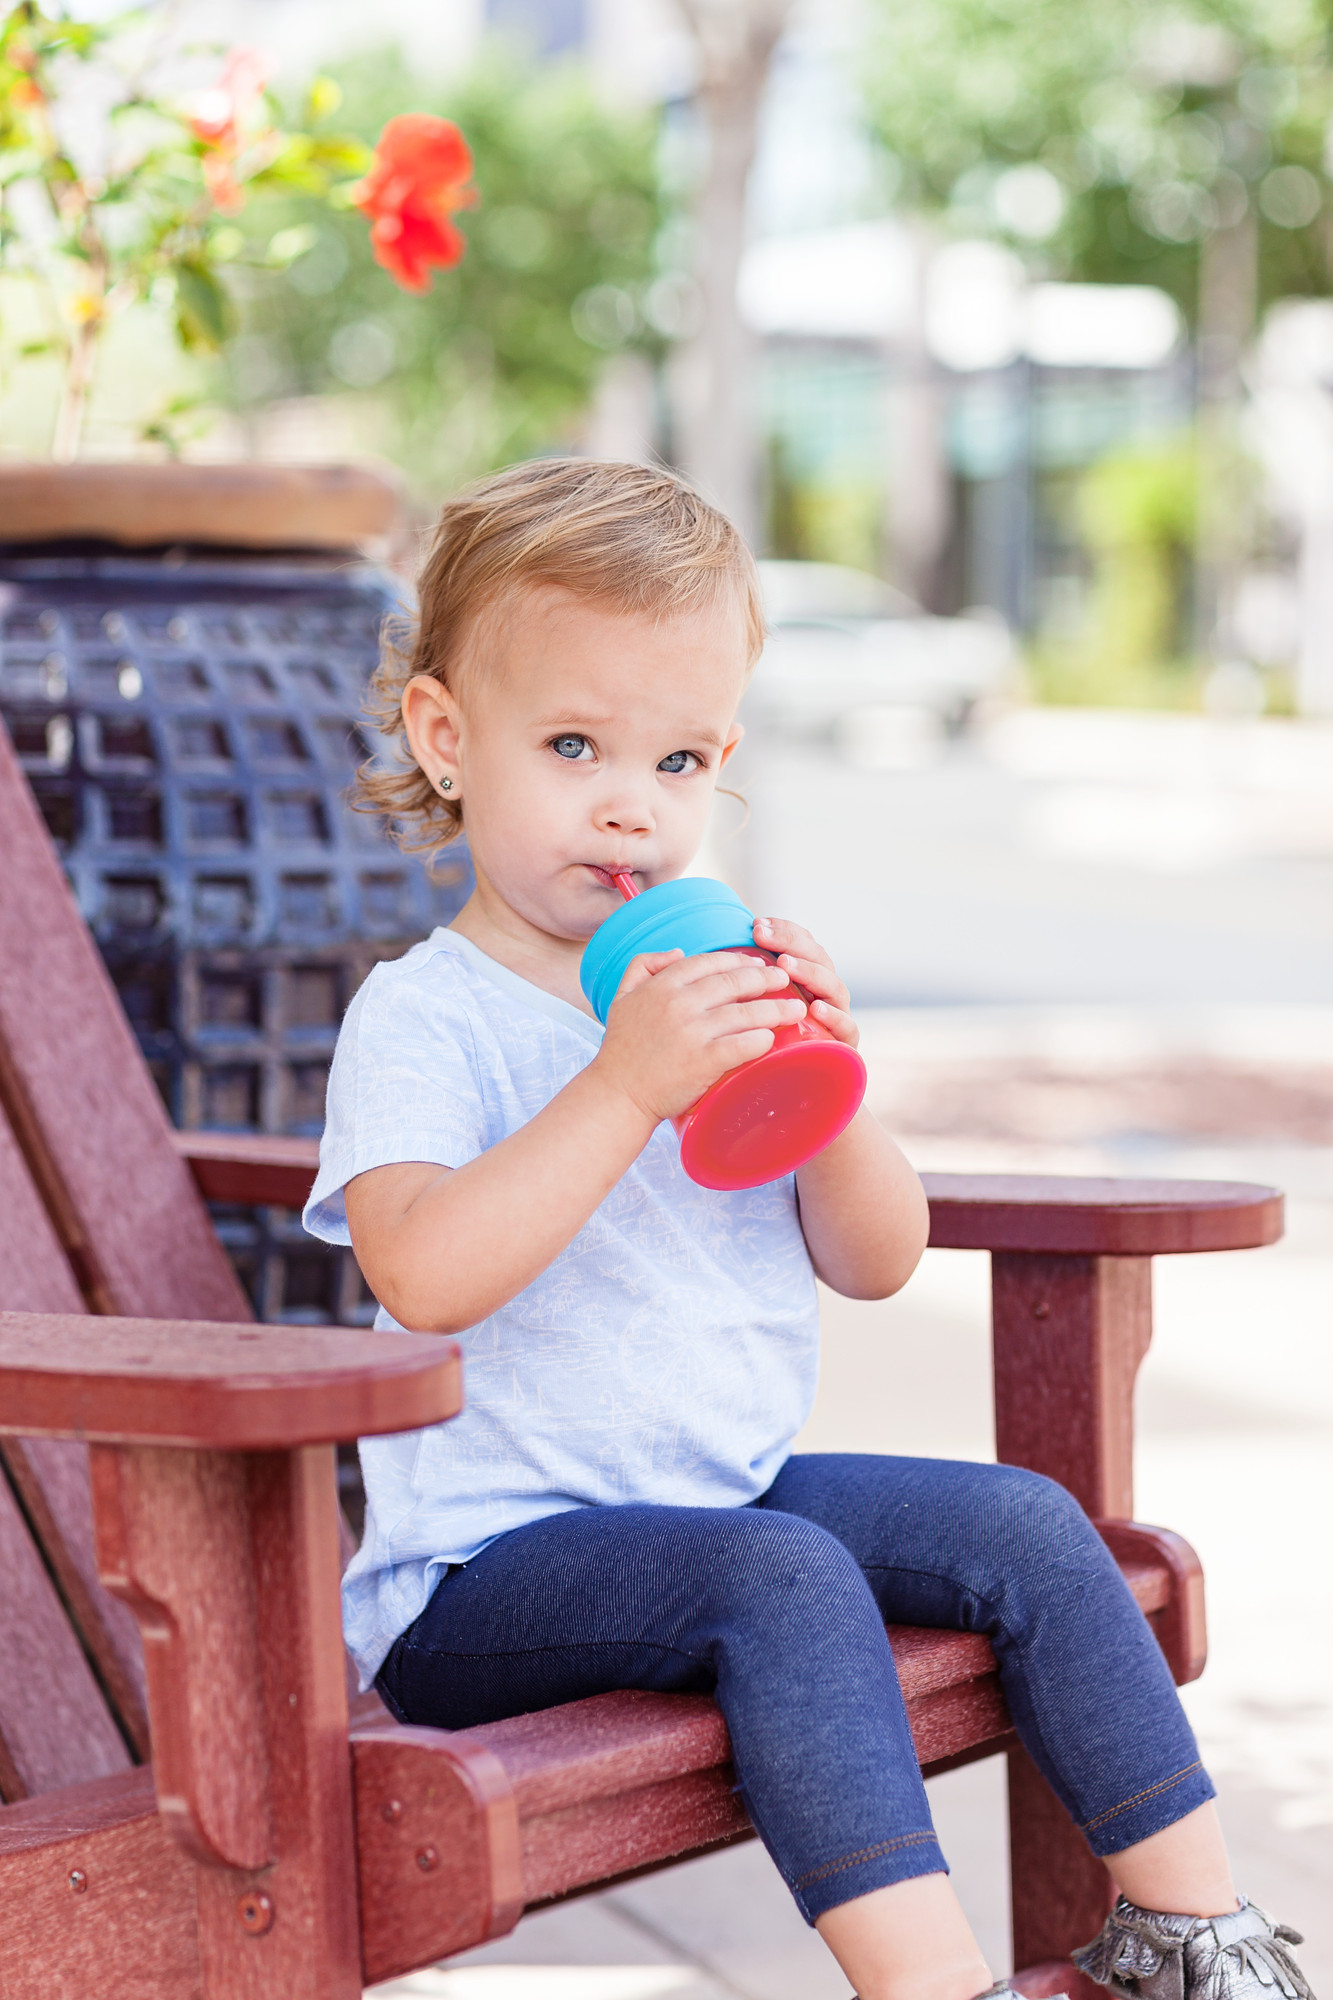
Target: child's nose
[[627, 813]]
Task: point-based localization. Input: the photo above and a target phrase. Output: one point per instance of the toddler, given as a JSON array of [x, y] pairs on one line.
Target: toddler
[[617, 1505]]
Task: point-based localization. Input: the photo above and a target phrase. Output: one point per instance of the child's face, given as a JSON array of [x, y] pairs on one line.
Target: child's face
[[585, 741]]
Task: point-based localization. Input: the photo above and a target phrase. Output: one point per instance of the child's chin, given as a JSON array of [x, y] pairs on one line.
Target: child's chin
[[581, 922], [574, 919]]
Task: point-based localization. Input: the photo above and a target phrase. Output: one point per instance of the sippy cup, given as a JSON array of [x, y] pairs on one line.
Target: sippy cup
[[773, 1113]]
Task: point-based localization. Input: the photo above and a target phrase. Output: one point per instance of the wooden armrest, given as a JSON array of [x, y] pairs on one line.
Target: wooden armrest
[[250, 1167], [198, 1384], [1074, 1216], [1033, 1212]]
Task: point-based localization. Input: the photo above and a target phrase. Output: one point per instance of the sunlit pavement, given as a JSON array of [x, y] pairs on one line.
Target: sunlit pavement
[[1205, 973], [1055, 856]]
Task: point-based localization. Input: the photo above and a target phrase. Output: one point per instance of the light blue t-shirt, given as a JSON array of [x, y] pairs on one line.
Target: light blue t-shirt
[[668, 1355]]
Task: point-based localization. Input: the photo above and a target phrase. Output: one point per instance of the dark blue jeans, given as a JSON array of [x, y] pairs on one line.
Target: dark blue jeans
[[778, 1609]]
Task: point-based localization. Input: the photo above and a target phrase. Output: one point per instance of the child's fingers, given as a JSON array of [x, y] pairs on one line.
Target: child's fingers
[[743, 963], [740, 1015], [733, 1050], [716, 978], [683, 971], [776, 934], [817, 977], [830, 1002], [837, 1020], [648, 964]]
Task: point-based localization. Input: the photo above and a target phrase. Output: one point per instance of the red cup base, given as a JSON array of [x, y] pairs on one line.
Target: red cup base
[[773, 1114]]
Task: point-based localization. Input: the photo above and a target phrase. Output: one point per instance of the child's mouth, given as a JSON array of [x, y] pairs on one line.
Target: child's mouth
[[607, 876]]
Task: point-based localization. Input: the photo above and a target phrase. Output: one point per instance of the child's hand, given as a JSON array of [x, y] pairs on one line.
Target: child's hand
[[807, 964], [677, 1024]]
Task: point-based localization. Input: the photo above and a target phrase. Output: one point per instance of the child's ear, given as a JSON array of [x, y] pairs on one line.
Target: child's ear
[[433, 724], [734, 735]]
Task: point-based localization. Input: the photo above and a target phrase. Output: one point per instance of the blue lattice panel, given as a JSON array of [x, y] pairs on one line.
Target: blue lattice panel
[[189, 724]]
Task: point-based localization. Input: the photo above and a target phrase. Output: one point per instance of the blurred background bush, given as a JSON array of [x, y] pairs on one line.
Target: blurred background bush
[[504, 357]]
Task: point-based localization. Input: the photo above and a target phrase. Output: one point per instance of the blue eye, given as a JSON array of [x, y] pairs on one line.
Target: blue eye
[[679, 760], [571, 747]]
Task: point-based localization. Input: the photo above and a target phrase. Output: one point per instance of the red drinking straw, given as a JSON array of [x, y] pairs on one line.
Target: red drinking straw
[[626, 884]]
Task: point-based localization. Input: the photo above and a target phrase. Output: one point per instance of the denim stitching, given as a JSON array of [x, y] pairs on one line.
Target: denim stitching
[[1139, 1797], [866, 1854]]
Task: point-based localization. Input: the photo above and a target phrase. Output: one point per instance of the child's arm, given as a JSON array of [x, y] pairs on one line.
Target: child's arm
[[863, 1210], [444, 1248]]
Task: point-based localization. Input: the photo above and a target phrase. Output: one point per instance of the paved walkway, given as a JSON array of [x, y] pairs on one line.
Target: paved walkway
[[1236, 1451], [1075, 856]]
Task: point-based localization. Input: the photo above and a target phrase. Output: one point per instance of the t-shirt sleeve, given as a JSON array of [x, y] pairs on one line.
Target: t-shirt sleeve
[[405, 1085]]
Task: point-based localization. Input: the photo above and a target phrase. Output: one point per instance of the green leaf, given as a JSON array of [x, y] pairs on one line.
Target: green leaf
[[289, 244], [225, 245], [344, 154], [322, 99], [204, 314]]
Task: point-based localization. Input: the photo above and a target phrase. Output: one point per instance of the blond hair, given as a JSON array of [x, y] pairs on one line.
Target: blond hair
[[633, 537]]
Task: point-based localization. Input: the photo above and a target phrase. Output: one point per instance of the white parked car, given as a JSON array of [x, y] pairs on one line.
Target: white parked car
[[843, 642]]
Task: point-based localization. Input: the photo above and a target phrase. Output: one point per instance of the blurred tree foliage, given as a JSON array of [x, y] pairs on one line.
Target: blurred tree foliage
[[502, 357], [822, 520], [1137, 511], [1112, 141]]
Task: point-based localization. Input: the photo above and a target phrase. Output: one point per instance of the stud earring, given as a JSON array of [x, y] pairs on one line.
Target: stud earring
[[446, 784]]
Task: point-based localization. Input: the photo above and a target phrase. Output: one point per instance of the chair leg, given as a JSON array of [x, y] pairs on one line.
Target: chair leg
[[229, 1559], [1061, 1893]]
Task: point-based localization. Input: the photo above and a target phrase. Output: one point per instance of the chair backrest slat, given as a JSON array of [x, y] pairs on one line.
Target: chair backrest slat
[[55, 1727], [71, 1665], [34, 1273], [50, 1479], [56, 1724], [81, 1101], [97, 1212]]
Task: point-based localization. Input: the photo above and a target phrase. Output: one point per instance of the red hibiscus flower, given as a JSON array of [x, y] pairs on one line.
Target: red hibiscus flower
[[417, 181]]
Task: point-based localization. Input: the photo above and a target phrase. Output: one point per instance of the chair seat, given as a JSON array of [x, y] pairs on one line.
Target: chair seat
[[542, 1806], [587, 1760]]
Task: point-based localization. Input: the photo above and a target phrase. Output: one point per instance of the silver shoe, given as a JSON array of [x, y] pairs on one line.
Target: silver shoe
[[1002, 1990], [1146, 1955]]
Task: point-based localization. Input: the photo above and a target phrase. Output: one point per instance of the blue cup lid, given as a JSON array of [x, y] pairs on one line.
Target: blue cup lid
[[691, 915]]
